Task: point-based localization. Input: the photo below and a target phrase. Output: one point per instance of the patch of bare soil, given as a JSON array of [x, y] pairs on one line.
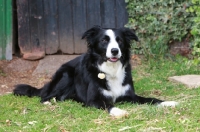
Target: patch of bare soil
[[19, 71]]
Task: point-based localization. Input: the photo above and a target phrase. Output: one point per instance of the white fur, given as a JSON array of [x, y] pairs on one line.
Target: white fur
[[112, 44], [116, 112], [47, 103], [168, 104], [113, 70], [115, 75], [114, 93]]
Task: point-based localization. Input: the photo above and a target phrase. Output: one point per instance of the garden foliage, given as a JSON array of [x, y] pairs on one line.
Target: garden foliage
[[195, 8], [159, 23]]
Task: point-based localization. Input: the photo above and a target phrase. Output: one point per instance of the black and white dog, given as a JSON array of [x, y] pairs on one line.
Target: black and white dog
[[98, 78]]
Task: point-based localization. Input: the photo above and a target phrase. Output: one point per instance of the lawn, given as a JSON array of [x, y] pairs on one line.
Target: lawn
[[23, 114]]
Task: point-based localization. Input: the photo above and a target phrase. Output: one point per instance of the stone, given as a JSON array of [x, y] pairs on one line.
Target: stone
[[51, 63], [191, 81], [34, 55]]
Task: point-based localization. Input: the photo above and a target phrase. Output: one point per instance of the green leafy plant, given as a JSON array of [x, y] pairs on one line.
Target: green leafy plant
[[195, 8], [158, 23]]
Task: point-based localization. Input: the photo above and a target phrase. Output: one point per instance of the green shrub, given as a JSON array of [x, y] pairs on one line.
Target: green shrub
[[195, 8], [158, 23]]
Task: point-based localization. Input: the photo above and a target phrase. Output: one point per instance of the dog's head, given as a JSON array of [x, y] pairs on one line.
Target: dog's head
[[110, 44]]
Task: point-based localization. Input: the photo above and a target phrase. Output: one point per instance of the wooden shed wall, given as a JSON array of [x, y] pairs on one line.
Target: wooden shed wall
[[50, 26]]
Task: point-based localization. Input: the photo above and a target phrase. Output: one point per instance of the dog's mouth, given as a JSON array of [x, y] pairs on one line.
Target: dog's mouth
[[113, 59]]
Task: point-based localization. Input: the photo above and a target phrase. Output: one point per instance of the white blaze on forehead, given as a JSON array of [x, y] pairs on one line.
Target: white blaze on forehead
[[111, 34], [112, 43]]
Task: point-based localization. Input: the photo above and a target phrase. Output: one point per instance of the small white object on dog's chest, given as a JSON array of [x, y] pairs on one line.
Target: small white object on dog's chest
[[101, 75]]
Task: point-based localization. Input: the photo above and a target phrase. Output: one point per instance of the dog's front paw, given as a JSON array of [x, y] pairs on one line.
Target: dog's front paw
[[47, 103], [168, 104], [118, 113]]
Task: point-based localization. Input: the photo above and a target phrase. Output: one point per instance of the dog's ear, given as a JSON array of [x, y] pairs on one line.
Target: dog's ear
[[129, 34], [91, 32]]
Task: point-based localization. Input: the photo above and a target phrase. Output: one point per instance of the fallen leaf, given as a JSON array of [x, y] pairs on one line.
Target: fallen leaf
[[8, 122], [99, 121], [124, 128], [62, 129], [32, 122]]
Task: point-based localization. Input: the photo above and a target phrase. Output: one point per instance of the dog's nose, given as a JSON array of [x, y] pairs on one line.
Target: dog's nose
[[114, 51]]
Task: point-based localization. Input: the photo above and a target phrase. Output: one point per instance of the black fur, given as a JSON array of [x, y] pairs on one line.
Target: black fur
[[77, 79]]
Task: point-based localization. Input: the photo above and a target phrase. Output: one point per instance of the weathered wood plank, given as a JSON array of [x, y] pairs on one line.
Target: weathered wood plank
[[93, 13], [51, 26], [108, 13], [23, 26], [121, 13], [36, 26], [79, 21], [65, 21]]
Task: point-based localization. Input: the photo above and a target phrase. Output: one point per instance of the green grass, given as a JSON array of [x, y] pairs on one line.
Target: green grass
[[2, 73], [23, 114]]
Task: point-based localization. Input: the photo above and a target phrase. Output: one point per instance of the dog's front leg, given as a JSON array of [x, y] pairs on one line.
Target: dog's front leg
[[103, 104], [96, 99]]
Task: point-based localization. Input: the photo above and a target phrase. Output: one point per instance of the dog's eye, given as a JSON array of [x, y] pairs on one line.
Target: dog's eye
[[104, 40], [119, 40]]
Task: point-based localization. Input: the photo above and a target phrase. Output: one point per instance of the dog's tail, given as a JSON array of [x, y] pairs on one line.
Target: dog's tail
[[26, 90]]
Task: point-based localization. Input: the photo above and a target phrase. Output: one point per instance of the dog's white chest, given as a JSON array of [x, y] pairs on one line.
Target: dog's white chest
[[115, 75], [116, 89]]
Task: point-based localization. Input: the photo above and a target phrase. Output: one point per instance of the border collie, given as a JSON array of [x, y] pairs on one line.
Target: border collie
[[98, 78]]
